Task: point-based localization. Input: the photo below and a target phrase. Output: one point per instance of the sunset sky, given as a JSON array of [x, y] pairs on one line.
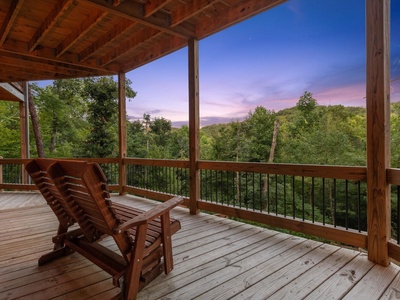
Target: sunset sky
[[269, 60]]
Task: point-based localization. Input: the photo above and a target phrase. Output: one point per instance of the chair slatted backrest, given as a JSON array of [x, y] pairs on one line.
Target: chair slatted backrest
[[38, 170], [84, 188]]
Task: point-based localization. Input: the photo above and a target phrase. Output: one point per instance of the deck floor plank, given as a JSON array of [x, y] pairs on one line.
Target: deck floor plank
[[374, 284], [214, 258], [343, 280]]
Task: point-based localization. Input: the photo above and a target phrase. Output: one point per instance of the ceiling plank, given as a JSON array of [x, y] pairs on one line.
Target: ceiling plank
[[153, 6], [129, 45], [51, 19], [88, 24], [189, 10], [135, 11], [117, 2], [9, 19], [229, 16], [106, 39]]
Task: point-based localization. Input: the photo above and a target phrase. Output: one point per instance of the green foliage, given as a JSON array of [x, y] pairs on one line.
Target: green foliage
[[260, 128], [102, 94], [61, 109], [9, 130]]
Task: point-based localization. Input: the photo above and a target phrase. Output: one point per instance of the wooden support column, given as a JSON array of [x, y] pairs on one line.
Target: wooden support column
[[1, 173], [24, 128], [122, 131], [378, 128], [194, 125]]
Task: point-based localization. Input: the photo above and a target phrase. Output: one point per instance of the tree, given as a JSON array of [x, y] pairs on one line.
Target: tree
[[35, 124], [260, 128], [306, 103], [160, 129], [62, 110], [9, 129], [102, 93], [136, 139]]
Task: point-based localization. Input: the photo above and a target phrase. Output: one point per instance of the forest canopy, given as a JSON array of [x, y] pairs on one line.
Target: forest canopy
[[79, 118]]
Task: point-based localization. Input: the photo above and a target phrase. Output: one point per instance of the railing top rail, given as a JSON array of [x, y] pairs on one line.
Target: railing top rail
[[25, 160], [356, 173], [158, 162], [320, 171]]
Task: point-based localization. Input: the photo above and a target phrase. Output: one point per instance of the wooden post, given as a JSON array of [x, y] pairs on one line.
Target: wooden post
[[1, 172], [378, 129], [122, 131], [24, 130], [194, 125]]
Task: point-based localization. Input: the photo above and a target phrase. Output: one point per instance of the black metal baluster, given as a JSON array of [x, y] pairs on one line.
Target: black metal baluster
[[323, 201], [284, 195], [312, 199]]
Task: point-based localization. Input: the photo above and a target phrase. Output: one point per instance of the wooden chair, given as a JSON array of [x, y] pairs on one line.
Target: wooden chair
[[77, 193]]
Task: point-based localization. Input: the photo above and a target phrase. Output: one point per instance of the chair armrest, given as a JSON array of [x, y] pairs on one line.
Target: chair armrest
[[150, 215]]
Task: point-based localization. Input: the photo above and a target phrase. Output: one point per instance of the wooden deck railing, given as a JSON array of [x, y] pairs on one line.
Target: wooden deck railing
[[328, 202]]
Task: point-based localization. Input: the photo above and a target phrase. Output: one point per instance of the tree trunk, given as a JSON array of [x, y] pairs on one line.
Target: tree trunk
[[53, 140], [271, 153], [273, 145], [35, 125]]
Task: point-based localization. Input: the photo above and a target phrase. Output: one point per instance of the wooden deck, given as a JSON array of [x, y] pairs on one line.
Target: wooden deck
[[215, 258]]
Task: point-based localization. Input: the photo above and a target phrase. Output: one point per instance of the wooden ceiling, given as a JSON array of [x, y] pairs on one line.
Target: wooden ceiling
[[42, 39]]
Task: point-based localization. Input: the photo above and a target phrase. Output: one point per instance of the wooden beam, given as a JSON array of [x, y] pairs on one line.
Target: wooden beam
[[59, 9], [12, 91], [152, 6], [189, 10], [134, 11], [107, 39], [83, 29], [378, 129], [226, 17], [22, 129], [122, 131], [194, 125], [9, 19], [42, 64]]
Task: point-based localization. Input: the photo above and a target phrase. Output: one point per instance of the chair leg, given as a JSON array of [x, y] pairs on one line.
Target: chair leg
[[48, 257], [61, 230], [167, 243], [132, 281], [59, 248]]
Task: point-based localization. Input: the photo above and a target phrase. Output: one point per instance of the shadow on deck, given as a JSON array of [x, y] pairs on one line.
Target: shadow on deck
[[215, 258]]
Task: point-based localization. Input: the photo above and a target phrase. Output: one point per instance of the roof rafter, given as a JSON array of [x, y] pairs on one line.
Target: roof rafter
[[227, 17], [144, 35], [9, 19], [51, 19], [108, 38], [189, 10], [89, 23], [153, 6], [134, 11], [163, 48]]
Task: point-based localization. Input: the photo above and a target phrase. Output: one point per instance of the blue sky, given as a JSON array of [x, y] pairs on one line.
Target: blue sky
[[269, 60]]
